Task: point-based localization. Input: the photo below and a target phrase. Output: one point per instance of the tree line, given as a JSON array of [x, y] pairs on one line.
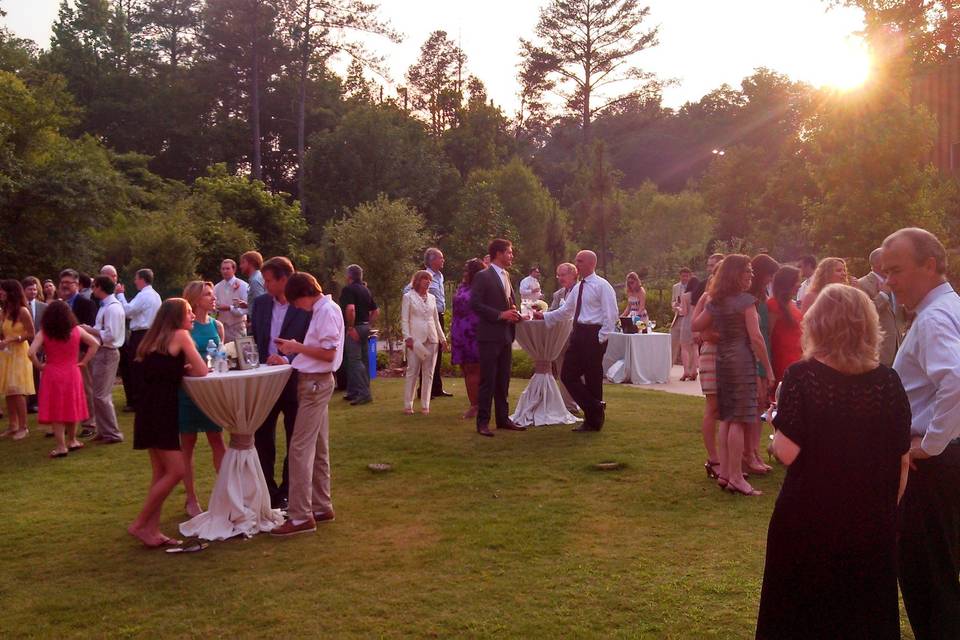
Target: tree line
[[171, 133]]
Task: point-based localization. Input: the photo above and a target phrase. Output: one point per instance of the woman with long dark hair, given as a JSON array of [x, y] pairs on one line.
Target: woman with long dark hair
[[16, 370], [165, 354], [785, 327], [733, 314], [62, 401], [463, 336]]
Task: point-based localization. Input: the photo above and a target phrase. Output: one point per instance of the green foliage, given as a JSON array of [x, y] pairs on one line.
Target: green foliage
[[378, 149], [868, 159], [277, 223], [386, 238], [661, 232]]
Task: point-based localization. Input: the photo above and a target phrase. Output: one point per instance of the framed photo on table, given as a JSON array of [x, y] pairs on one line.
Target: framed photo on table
[[247, 355]]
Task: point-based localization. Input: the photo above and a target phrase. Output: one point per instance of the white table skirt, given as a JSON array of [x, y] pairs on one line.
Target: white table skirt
[[541, 402], [638, 358], [238, 401]]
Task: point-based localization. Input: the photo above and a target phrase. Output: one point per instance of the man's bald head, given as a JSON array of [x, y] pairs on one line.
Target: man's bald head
[[586, 263], [110, 271]]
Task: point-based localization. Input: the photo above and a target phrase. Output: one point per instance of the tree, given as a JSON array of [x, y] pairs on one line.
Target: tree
[[170, 26], [594, 196], [435, 80], [480, 138], [379, 149], [588, 45], [867, 154], [322, 28], [661, 232], [386, 238]]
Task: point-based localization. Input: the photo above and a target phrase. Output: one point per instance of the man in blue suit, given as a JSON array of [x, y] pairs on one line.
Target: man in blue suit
[[272, 317]]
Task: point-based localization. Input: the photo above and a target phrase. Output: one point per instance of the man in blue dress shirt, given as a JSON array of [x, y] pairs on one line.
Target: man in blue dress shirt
[[929, 366]]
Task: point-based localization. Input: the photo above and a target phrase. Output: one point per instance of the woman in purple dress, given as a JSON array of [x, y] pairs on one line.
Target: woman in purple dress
[[463, 335]]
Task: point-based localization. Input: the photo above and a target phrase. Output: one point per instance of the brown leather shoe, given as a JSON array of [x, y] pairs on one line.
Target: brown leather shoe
[[323, 516], [484, 430], [290, 529], [510, 425]]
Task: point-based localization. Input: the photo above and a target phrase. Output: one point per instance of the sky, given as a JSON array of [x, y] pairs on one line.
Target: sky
[[703, 43]]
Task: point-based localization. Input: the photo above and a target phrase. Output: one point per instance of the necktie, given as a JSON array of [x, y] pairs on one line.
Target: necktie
[[576, 313], [507, 289]]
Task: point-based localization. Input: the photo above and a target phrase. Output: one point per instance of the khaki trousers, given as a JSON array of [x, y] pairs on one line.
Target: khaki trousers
[[103, 371], [310, 447]]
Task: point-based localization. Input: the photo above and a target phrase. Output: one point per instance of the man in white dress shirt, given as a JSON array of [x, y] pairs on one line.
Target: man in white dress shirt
[[110, 329], [317, 357], [530, 286], [140, 312], [231, 293], [928, 362], [808, 265], [592, 305]]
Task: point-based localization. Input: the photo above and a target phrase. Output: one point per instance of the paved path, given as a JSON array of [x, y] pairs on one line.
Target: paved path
[[685, 388]]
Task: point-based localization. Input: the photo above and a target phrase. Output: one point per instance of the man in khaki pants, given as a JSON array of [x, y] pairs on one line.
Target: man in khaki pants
[[318, 357]]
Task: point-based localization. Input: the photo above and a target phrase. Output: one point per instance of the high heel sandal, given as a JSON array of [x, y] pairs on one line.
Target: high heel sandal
[[723, 483], [710, 468]]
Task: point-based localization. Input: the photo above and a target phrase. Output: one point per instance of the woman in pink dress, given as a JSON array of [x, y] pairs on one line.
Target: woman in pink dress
[[62, 401]]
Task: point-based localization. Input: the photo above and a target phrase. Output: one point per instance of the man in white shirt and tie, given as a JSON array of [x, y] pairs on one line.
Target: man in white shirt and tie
[[110, 329], [140, 312], [928, 362], [231, 293], [592, 305]]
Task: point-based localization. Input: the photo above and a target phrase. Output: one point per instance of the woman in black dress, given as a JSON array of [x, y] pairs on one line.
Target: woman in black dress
[[166, 354], [732, 313], [843, 429]]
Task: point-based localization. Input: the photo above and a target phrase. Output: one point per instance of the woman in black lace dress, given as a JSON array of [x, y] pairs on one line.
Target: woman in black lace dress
[[732, 313], [843, 429]]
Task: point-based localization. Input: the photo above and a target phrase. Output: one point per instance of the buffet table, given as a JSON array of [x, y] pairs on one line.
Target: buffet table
[[638, 358]]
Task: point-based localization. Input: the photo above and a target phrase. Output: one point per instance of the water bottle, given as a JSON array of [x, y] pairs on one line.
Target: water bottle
[[211, 354], [222, 365]]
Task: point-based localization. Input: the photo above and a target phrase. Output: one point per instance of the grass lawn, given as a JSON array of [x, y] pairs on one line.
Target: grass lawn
[[515, 536]]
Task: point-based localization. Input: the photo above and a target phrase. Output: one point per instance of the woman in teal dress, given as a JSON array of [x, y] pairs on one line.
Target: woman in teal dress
[[192, 420]]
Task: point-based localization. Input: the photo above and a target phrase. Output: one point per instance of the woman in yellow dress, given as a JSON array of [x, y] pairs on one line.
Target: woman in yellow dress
[[16, 372]]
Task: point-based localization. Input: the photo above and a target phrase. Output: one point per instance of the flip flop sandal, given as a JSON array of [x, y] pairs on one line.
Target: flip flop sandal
[[190, 545], [76, 447], [58, 454]]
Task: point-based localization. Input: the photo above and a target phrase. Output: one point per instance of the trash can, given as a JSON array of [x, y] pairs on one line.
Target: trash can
[[372, 354]]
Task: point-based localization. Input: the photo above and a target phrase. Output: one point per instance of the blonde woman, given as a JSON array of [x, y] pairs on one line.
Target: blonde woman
[[636, 298], [829, 271], [193, 421], [843, 430], [423, 338], [165, 354]]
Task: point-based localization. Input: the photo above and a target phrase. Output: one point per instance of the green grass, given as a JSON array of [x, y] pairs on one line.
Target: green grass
[[515, 536]]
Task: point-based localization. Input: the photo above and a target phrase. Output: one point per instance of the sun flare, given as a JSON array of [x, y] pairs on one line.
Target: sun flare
[[843, 67]]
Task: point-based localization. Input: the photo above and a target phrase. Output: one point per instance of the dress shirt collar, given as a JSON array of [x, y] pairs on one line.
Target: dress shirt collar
[[933, 294], [437, 275], [322, 300], [147, 288], [107, 300], [500, 270]]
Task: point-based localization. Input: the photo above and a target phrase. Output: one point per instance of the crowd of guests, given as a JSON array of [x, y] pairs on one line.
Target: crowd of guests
[[864, 375]]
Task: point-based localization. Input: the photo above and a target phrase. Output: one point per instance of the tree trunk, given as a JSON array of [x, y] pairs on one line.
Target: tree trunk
[[302, 111], [255, 161]]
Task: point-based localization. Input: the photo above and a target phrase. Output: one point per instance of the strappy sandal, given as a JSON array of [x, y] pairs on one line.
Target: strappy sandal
[[189, 545], [58, 454], [710, 468], [738, 491]]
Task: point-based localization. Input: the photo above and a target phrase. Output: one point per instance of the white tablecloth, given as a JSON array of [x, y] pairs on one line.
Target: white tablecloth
[[638, 358], [541, 402], [238, 401]]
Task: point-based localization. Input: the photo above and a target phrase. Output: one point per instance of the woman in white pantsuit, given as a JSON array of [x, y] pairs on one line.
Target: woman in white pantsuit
[[424, 339]]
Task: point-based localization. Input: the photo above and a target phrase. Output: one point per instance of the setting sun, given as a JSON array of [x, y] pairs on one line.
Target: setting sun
[[845, 66]]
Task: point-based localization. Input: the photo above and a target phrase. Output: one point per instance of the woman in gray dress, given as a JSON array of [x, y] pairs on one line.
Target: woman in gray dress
[[732, 313]]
